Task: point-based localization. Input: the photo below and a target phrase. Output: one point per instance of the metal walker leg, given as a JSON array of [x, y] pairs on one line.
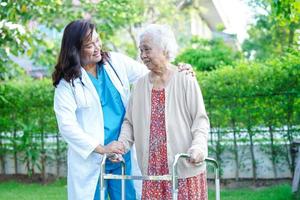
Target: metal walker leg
[[102, 178], [175, 176]]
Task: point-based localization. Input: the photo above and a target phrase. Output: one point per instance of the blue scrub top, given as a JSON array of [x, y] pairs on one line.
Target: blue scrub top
[[112, 107]]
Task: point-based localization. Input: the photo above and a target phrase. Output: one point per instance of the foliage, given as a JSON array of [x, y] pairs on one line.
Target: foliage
[[26, 118], [275, 29], [250, 99], [33, 28], [153, 11], [18, 32], [207, 55]]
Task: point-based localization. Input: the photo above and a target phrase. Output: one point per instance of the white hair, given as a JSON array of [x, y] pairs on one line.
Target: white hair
[[163, 36]]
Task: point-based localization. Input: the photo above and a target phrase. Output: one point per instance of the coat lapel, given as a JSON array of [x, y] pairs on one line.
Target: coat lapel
[[115, 80], [88, 83]]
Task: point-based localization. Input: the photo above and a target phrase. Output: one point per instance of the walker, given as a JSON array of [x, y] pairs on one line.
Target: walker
[[173, 177]]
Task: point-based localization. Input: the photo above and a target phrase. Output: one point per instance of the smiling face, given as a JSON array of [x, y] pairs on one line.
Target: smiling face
[[91, 49], [152, 54]]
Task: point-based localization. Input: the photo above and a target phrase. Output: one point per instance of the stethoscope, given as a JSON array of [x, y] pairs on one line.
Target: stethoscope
[[84, 87], [75, 95]]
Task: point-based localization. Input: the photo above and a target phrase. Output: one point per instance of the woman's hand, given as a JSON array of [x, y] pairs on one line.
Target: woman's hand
[[113, 147], [186, 67], [116, 158], [196, 156]]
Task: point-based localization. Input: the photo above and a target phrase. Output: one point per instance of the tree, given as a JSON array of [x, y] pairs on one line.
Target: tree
[[24, 25], [275, 29], [152, 11]]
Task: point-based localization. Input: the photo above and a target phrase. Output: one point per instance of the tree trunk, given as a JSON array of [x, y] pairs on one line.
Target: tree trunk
[[2, 154], [273, 152], [29, 172], [211, 125], [290, 102], [254, 174], [235, 151], [291, 34], [15, 152], [32, 168], [288, 158], [57, 155], [218, 148], [31, 158], [132, 37], [43, 157]]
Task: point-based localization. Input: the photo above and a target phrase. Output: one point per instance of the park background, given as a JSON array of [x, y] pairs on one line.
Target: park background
[[246, 57]]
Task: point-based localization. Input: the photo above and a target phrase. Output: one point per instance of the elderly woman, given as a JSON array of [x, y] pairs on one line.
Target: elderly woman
[[166, 116], [92, 88]]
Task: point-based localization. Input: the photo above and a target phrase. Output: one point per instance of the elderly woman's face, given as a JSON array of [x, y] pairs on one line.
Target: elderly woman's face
[[91, 49], [151, 53]]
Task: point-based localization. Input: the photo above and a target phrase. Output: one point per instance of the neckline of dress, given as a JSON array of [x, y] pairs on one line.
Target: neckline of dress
[[167, 84]]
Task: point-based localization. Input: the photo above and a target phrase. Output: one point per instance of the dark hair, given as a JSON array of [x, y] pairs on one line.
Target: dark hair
[[68, 64]]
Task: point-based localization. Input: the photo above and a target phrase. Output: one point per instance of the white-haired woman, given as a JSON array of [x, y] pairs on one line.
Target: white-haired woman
[[166, 116]]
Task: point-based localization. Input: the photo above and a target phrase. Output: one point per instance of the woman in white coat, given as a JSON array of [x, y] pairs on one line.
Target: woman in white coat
[[92, 89]]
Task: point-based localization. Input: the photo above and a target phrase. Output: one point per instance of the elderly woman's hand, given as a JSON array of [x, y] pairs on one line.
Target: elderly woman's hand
[[196, 156], [115, 158], [113, 147], [186, 67]]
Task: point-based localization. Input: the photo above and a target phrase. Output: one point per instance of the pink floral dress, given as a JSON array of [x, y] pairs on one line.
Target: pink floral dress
[[193, 188]]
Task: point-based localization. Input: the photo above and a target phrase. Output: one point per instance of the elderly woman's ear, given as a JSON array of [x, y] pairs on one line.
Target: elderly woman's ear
[[166, 54]]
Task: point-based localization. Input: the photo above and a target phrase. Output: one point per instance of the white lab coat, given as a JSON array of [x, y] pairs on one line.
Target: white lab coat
[[80, 122]]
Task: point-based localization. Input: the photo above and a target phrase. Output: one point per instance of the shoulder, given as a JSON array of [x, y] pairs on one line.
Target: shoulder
[[62, 84], [142, 82], [185, 81], [124, 59], [119, 60], [116, 56], [183, 76]]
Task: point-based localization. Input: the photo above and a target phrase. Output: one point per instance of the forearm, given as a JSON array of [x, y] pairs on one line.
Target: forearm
[[100, 149], [126, 141]]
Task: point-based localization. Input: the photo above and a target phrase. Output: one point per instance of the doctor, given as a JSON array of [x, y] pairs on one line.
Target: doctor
[[91, 92], [92, 88]]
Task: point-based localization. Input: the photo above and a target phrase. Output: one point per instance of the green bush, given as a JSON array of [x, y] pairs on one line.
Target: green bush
[[207, 55], [268, 86], [27, 119], [260, 99]]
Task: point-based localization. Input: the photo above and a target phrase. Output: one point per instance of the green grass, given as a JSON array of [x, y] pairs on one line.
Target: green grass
[[20, 191], [13, 190], [279, 192]]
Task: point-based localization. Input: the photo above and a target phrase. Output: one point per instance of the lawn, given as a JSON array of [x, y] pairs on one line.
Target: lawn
[[56, 191], [279, 192], [13, 190]]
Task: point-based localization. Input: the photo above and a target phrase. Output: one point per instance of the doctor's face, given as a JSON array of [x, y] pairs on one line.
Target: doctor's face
[[91, 49]]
